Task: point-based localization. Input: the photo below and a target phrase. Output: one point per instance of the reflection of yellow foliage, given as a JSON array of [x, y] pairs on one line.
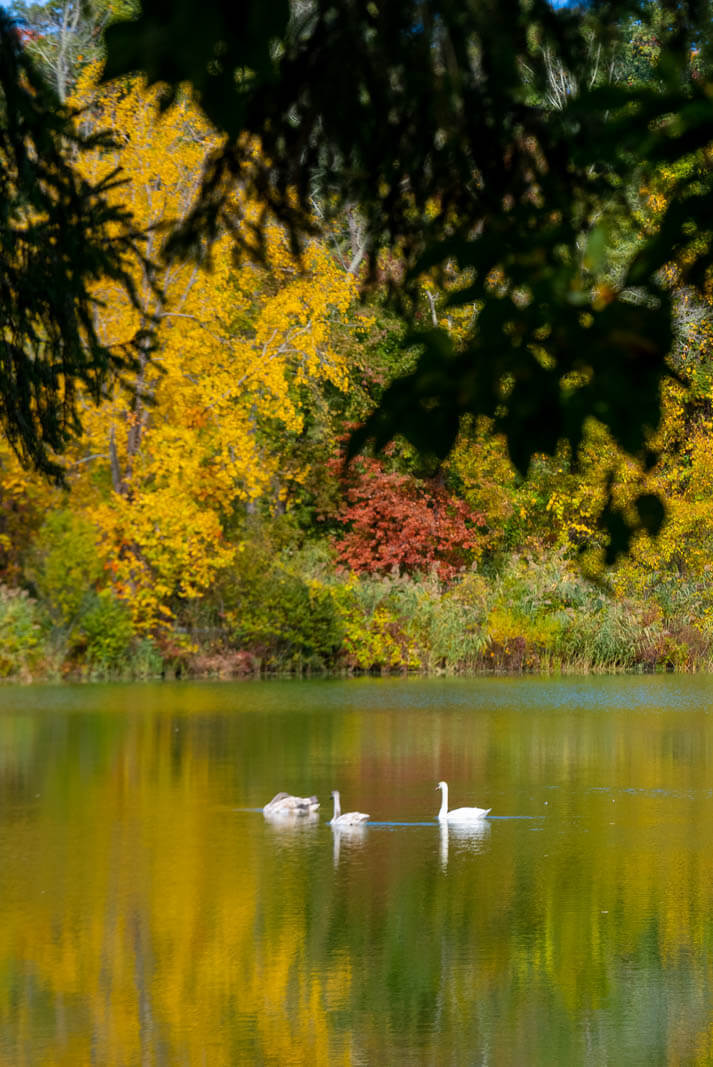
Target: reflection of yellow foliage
[[145, 920], [166, 957]]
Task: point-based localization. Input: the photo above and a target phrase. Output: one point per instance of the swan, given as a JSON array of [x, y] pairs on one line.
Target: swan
[[285, 804], [459, 815], [349, 818]]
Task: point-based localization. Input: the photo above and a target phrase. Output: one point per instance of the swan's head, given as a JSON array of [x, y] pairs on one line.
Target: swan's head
[[334, 793], [441, 785]]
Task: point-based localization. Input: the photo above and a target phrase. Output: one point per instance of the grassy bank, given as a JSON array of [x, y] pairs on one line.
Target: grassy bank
[[298, 615]]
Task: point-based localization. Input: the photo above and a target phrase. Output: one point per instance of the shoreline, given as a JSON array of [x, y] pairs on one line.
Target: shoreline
[[186, 674]]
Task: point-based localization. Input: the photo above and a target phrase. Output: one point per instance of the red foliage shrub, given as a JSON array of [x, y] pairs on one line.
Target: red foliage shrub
[[397, 523]]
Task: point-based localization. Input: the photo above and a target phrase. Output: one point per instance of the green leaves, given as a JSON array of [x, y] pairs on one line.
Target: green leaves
[[225, 50], [538, 390]]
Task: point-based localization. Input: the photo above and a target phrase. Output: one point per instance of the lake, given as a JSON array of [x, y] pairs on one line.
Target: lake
[[150, 914]]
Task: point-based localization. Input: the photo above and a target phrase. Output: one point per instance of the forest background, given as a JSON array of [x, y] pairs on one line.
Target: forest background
[[207, 522]]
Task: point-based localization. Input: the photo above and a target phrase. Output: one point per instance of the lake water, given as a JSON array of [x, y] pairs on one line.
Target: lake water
[[150, 914]]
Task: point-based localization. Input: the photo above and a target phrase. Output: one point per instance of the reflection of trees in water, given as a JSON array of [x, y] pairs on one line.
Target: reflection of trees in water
[[139, 907]]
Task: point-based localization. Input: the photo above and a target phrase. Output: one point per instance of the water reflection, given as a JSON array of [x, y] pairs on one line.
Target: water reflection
[[353, 836], [471, 836], [290, 823], [150, 912]]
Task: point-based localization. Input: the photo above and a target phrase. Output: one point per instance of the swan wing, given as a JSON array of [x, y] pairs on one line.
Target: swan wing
[[350, 818], [291, 805], [468, 814]]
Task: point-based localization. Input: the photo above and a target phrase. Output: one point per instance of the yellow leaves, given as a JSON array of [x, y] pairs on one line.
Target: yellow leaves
[[656, 203], [164, 547], [195, 434], [603, 294], [295, 324]]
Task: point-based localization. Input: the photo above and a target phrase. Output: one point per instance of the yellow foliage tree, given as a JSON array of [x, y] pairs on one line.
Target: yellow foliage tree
[[188, 439]]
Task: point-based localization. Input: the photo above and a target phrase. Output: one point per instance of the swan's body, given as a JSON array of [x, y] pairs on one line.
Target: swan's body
[[459, 815], [349, 818], [284, 804]]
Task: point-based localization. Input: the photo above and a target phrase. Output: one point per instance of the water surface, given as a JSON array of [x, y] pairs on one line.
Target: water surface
[[151, 915]]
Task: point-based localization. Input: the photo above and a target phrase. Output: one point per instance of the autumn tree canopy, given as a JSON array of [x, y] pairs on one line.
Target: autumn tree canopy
[[249, 291], [430, 121], [432, 118]]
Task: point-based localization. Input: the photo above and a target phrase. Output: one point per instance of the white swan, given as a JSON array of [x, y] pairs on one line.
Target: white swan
[[459, 815], [349, 818], [284, 804]]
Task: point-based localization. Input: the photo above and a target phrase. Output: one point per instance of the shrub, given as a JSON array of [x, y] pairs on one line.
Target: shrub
[[604, 638], [66, 567], [108, 631], [21, 634], [396, 523], [288, 620], [373, 636], [560, 617], [146, 660]]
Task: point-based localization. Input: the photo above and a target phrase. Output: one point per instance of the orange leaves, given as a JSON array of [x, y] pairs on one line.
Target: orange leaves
[[397, 523]]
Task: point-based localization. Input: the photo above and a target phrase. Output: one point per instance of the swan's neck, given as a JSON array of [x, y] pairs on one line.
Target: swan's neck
[[444, 802], [337, 806]]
